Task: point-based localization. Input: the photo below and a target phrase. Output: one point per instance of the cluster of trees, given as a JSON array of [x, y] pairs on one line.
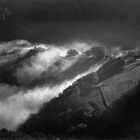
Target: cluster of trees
[[78, 110], [15, 135], [68, 115]]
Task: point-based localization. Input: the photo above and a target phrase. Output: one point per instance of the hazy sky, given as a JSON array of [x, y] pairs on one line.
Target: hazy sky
[[127, 9]]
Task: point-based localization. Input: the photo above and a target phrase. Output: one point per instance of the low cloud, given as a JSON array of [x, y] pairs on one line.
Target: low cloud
[[26, 73]]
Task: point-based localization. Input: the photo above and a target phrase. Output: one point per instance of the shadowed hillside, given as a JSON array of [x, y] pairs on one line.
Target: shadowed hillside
[[90, 107]]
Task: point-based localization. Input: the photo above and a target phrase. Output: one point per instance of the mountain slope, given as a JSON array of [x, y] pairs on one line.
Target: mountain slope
[[94, 105]]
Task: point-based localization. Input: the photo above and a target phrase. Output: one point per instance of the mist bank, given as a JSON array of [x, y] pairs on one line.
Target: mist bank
[[34, 73]]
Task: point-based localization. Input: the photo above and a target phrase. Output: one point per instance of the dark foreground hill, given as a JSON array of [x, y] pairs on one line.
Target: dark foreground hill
[[104, 104]]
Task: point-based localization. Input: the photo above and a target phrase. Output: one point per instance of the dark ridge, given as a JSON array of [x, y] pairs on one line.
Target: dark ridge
[[123, 120], [80, 111], [110, 68]]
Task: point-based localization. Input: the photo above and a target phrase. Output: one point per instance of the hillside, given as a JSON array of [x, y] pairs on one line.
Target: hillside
[[97, 104]]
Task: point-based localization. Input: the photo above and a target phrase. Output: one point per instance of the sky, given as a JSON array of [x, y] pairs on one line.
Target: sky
[[113, 21], [75, 9]]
